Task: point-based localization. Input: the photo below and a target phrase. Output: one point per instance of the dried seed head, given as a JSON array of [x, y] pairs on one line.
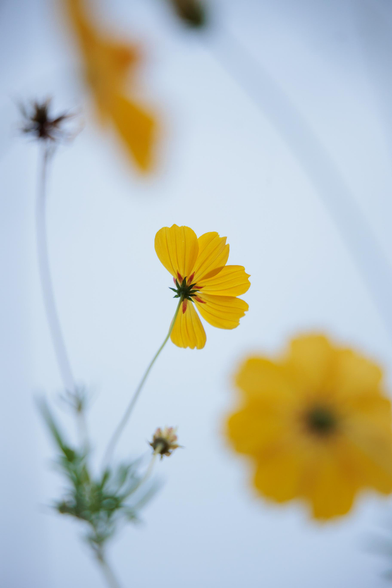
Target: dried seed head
[[41, 125], [164, 441]]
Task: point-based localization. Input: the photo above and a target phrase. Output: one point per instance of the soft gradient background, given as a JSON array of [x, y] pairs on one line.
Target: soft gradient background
[[225, 165]]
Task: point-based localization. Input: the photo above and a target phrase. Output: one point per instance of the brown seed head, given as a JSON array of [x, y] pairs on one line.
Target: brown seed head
[[40, 124], [164, 441]]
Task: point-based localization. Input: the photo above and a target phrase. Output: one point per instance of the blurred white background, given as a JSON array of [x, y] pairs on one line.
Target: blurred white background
[[230, 165]]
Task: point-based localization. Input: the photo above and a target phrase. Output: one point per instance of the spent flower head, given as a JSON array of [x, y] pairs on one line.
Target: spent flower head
[[42, 125], [202, 280], [164, 441], [316, 424]]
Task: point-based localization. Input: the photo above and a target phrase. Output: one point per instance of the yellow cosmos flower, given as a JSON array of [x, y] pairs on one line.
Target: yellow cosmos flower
[[106, 64], [316, 424], [202, 280]]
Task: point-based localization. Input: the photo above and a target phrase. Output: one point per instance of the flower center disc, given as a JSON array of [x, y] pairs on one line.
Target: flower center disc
[[321, 421]]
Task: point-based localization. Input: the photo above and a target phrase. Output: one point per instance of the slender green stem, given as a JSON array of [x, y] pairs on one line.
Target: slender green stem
[[148, 471], [49, 299], [82, 429], [108, 572], [150, 468], [46, 278], [127, 414]]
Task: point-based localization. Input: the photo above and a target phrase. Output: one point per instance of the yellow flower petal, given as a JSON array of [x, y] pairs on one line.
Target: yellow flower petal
[[279, 476], [223, 312], [137, 129], [311, 358], [188, 330], [355, 374], [106, 64], [259, 377], [253, 429], [177, 249], [330, 488], [373, 466], [106, 60], [230, 281], [77, 13], [368, 412], [213, 255]]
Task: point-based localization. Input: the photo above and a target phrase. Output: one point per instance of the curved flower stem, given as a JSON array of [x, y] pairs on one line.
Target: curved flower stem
[[46, 278], [107, 571], [148, 471], [150, 468], [132, 403], [370, 260], [55, 327]]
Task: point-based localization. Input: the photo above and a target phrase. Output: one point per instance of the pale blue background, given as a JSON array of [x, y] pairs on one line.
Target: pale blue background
[[225, 165]]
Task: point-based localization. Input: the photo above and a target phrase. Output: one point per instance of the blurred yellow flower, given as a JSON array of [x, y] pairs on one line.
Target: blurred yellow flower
[[106, 65], [316, 424], [202, 278]]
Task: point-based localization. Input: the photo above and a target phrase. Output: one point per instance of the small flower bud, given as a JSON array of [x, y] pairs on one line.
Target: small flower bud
[[164, 441]]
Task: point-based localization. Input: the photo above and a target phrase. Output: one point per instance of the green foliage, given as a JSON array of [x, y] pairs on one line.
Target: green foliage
[[104, 502]]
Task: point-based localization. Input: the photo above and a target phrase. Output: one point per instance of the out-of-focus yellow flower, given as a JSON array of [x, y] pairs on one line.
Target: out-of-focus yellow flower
[[316, 424], [106, 65], [202, 279]]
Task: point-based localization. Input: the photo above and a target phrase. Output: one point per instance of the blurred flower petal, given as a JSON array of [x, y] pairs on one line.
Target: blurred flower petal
[[316, 424], [106, 65]]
